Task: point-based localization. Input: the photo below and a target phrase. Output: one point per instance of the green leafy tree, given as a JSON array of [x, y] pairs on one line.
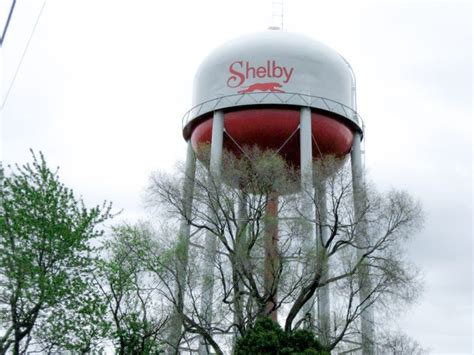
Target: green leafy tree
[[267, 337], [132, 291], [78, 325], [45, 259]]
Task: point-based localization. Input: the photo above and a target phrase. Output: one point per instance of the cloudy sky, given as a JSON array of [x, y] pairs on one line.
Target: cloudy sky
[[104, 84]]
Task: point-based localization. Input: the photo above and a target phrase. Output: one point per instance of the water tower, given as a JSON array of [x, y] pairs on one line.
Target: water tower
[[279, 91]]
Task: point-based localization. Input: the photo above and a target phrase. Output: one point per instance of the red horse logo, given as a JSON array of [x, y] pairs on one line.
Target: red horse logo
[[272, 87]]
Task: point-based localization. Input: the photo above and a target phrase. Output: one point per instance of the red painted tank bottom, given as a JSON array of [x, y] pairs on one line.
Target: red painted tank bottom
[[277, 129]]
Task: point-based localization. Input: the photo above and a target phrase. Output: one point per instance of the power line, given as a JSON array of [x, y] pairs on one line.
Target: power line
[[12, 7], [22, 57]]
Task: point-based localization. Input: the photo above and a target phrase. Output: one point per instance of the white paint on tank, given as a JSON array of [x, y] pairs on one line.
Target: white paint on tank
[[273, 62]]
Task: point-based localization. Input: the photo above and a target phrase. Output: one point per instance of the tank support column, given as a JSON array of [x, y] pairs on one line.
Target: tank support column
[[241, 241], [272, 257], [182, 250], [324, 305], [307, 205], [207, 293], [365, 284]]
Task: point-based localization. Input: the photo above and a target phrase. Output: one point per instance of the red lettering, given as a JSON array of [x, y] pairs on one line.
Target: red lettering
[[276, 70], [242, 70], [248, 70], [261, 72], [237, 78], [268, 69], [287, 74]]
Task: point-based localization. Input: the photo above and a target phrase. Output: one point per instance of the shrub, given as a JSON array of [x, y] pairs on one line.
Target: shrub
[[267, 337]]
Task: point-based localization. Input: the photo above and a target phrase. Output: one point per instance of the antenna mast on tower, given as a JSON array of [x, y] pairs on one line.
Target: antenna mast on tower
[[277, 15]]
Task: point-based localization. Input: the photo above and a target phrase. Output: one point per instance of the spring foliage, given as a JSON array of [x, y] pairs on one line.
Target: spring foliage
[[45, 260], [267, 337]]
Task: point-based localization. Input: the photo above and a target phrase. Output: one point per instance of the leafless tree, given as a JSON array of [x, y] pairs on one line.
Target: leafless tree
[[399, 343], [265, 265]]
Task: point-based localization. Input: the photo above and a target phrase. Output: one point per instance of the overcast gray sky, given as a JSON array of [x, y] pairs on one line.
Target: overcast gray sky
[[104, 84]]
